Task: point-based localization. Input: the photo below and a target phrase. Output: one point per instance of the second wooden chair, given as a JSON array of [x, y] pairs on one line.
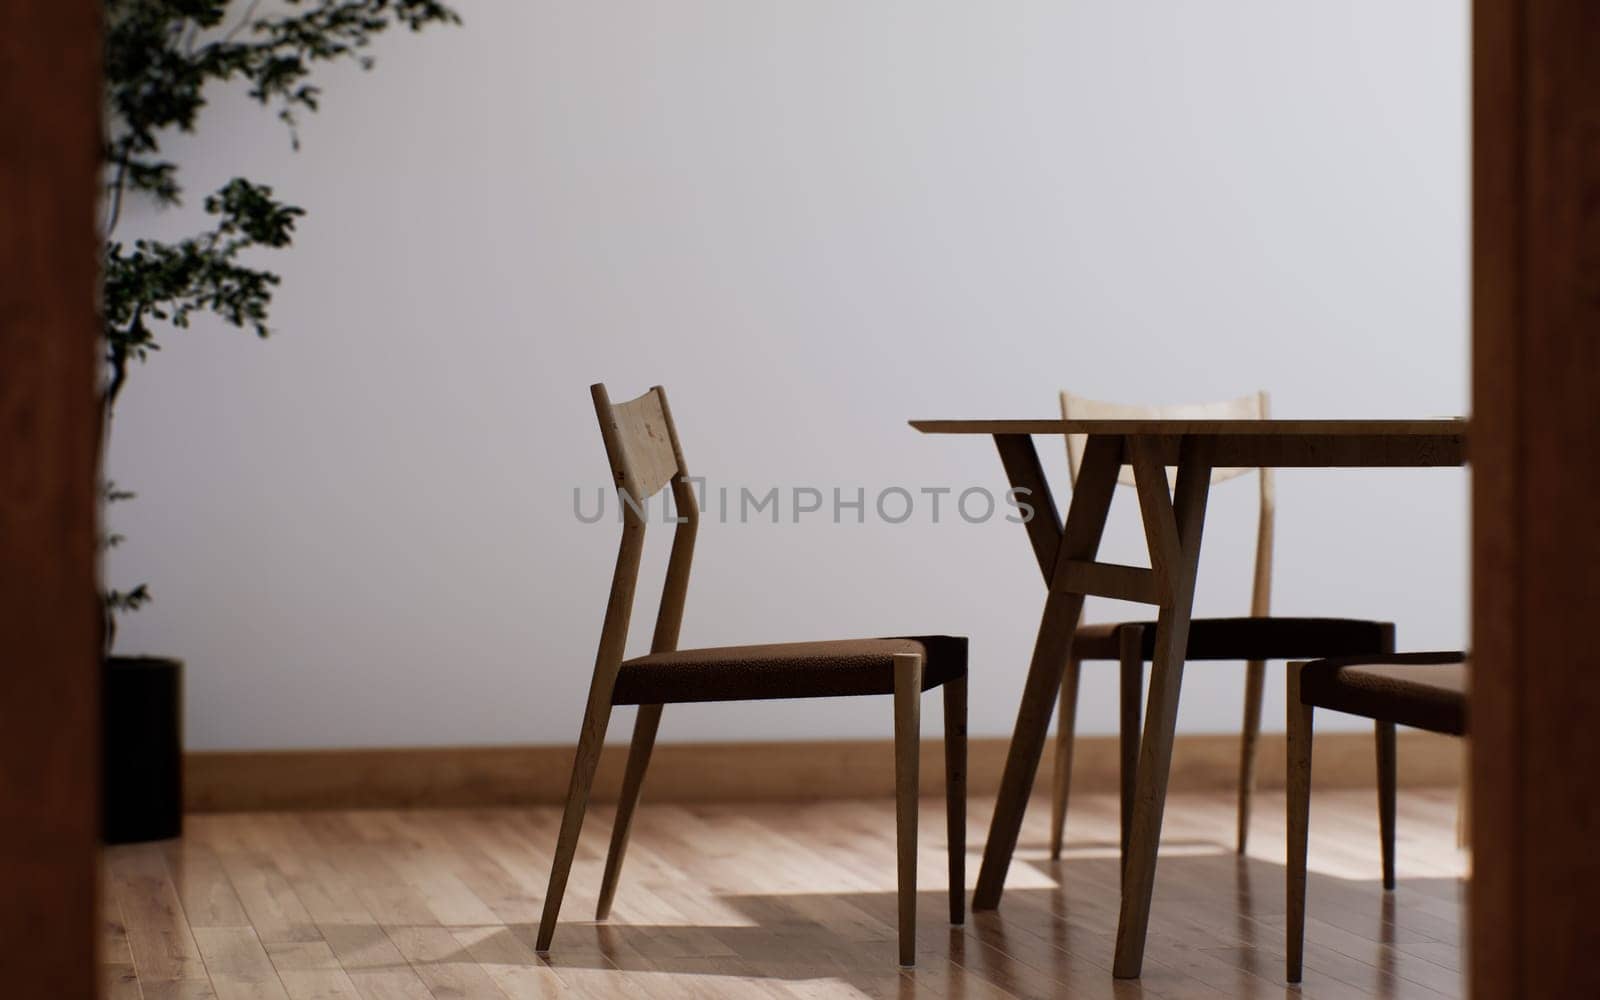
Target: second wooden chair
[[642, 444]]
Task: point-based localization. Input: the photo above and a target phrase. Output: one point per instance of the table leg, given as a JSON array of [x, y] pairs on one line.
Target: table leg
[[1021, 461], [1079, 539], [1027, 744], [1173, 530]]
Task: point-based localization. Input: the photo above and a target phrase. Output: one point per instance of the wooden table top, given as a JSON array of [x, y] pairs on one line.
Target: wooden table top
[[1259, 443], [1446, 427]]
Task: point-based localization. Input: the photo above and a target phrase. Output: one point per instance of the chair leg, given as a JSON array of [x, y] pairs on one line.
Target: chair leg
[[590, 741], [1255, 676], [1299, 815], [1066, 732], [955, 793], [1131, 650], [907, 760], [1386, 796], [644, 740]]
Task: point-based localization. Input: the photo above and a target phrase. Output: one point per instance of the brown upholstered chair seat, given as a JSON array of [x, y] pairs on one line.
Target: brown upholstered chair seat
[[1248, 638], [828, 669], [1424, 690]]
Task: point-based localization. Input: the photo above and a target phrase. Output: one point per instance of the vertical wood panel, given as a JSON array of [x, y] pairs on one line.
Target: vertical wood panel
[[49, 110], [1536, 527], [1496, 188]]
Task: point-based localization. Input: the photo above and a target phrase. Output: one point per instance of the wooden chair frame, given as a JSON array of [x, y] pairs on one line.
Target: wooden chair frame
[[641, 442], [1301, 715]]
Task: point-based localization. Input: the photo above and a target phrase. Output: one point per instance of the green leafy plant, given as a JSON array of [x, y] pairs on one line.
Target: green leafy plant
[[161, 58]]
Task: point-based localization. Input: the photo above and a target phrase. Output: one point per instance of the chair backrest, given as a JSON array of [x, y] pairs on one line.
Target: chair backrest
[[642, 444], [640, 440], [1253, 407]]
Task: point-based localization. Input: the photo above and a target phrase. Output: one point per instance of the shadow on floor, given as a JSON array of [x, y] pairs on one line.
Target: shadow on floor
[[1216, 930]]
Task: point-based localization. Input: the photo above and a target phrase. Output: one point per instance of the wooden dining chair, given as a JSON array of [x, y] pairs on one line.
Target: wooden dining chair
[[1422, 690], [1254, 639], [642, 445]]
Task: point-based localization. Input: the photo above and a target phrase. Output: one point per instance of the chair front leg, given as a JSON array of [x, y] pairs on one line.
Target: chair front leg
[[1066, 735], [1130, 650], [1255, 677], [955, 792], [1387, 765], [590, 741], [644, 740], [1299, 816], [907, 761]]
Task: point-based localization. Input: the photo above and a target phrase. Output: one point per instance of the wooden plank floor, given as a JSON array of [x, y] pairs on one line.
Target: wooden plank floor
[[767, 901]]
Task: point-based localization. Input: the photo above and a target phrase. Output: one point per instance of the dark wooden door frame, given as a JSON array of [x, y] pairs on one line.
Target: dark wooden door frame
[[49, 632], [1535, 450]]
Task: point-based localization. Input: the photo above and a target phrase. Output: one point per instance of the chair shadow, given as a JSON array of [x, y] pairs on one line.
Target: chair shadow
[[1218, 919]]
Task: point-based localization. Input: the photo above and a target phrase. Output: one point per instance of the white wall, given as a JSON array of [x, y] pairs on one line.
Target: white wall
[[811, 221]]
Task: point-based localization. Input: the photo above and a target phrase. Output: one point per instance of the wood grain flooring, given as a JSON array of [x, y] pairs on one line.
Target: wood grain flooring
[[769, 901]]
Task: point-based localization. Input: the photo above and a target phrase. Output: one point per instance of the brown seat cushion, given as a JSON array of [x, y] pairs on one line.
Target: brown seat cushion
[[1425, 690], [784, 670], [1249, 638]]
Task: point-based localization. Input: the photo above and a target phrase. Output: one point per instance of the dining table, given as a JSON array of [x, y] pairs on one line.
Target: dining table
[[1173, 515]]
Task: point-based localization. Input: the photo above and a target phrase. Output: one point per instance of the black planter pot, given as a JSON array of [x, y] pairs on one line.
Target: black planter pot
[[142, 748]]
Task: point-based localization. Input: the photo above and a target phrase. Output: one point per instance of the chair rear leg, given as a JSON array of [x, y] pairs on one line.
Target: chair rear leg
[[644, 740], [1131, 646], [1299, 816], [1066, 734], [955, 792], [590, 741], [907, 761], [1255, 677], [1386, 795]]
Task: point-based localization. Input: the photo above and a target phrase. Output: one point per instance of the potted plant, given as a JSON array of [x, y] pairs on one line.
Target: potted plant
[[161, 56]]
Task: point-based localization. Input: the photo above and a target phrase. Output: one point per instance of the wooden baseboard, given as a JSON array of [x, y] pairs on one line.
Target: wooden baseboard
[[435, 777]]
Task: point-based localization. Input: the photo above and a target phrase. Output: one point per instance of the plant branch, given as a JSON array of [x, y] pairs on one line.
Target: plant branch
[[114, 214], [244, 21]]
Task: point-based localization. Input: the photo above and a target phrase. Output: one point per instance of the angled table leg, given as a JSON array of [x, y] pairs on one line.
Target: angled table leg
[[1079, 539], [1172, 527]]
